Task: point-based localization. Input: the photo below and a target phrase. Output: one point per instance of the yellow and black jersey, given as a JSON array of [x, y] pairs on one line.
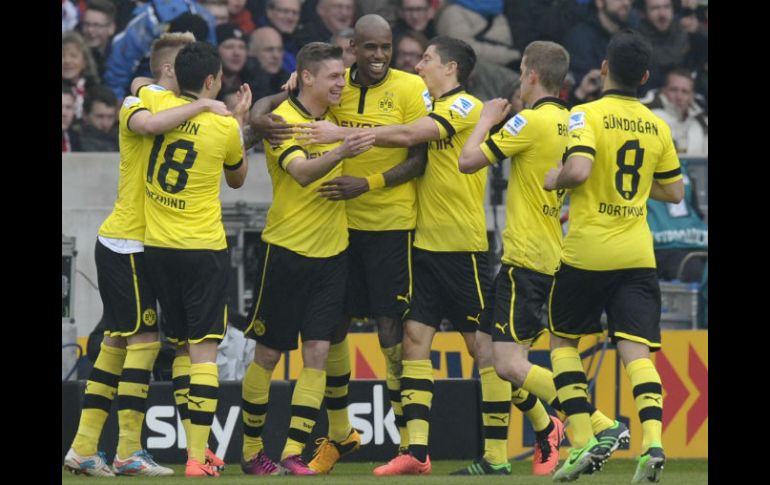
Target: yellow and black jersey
[[126, 221], [300, 219], [183, 176], [399, 98], [630, 147], [535, 139], [450, 207]]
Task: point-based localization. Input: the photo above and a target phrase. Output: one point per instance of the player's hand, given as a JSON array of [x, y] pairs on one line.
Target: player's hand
[[357, 143], [291, 83], [343, 188], [319, 132], [590, 84], [273, 127], [550, 178], [214, 106], [495, 110], [243, 104]]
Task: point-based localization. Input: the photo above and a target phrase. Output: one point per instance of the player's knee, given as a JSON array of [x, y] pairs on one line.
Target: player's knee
[[315, 353], [266, 357]]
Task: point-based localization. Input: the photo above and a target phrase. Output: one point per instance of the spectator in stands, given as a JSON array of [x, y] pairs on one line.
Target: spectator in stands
[[416, 15], [70, 140], [232, 50], [335, 15], [693, 19], [587, 42], [218, 9], [283, 16], [130, 53], [69, 16], [678, 230], [482, 25], [671, 45], [675, 104], [267, 47], [98, 27], [240, 15], [99, 133], [77, 67], [342, 39], [409, 49], [541, 19], [489, 81]]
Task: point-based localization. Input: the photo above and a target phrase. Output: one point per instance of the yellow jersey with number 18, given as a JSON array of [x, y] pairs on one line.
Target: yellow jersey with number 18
[[183, 177], [630, 147]]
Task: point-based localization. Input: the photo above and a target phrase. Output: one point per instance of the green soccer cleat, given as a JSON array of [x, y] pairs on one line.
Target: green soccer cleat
[[614, 437], [649, 468], [480, 466], [581, 460]]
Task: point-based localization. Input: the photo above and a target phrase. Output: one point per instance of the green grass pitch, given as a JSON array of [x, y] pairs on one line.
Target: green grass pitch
[[676, 472]]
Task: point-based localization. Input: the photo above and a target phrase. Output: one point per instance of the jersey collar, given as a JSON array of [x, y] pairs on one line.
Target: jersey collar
[[352, 75], [297, 105], [452, 91], [621, 93], [188, 96], [550, 99]]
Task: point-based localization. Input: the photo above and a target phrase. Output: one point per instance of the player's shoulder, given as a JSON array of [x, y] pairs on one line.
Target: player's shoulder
[[464, 104], [405, 80]]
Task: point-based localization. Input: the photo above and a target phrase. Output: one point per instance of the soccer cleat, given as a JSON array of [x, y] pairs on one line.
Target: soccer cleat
[[581, 460], [546, 456], [328, 451], [140, 464], [649, 468], [295, 466], [92, 465], [404, 465], [614, 437], [481, 466], [194, 468], [216, 462], [261, 464]]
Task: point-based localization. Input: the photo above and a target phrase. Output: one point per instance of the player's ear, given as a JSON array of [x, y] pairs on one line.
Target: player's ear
[[645, 78]]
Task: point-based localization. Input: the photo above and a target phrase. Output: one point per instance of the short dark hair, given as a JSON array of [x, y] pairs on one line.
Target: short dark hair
[[104, 6], [550, 61], [194, 63], [418, 37], [101, 94], [312, 54], [628, 56], [450, 49], [190, 22], [681, 72]]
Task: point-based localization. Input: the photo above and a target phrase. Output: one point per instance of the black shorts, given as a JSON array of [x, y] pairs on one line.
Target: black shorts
[[454, 285], [520, 298], [127, 296], [296, 295], [631, 298], [380, 279], [192, 291]]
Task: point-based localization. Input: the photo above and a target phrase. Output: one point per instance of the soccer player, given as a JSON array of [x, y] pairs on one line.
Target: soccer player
[[303, 276], [450, 262], [619, 154], [381, 218], [536, 140], [185, 245], [130, 344]]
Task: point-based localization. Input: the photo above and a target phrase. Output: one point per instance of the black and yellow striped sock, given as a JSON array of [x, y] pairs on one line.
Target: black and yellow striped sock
[[132, 395], [393, 370], [495, 411], [572, 389], [531, 407], [416, 397], [101, 387], [255, 392], [648, 397], [180, 375], [305, 406], [336, 392], [201, 406]]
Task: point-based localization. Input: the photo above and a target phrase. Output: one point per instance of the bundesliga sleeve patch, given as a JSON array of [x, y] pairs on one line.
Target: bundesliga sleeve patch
[[463, 106], [155, 87], [130, 101], [577, 120], [515, 125], [426, 99]]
